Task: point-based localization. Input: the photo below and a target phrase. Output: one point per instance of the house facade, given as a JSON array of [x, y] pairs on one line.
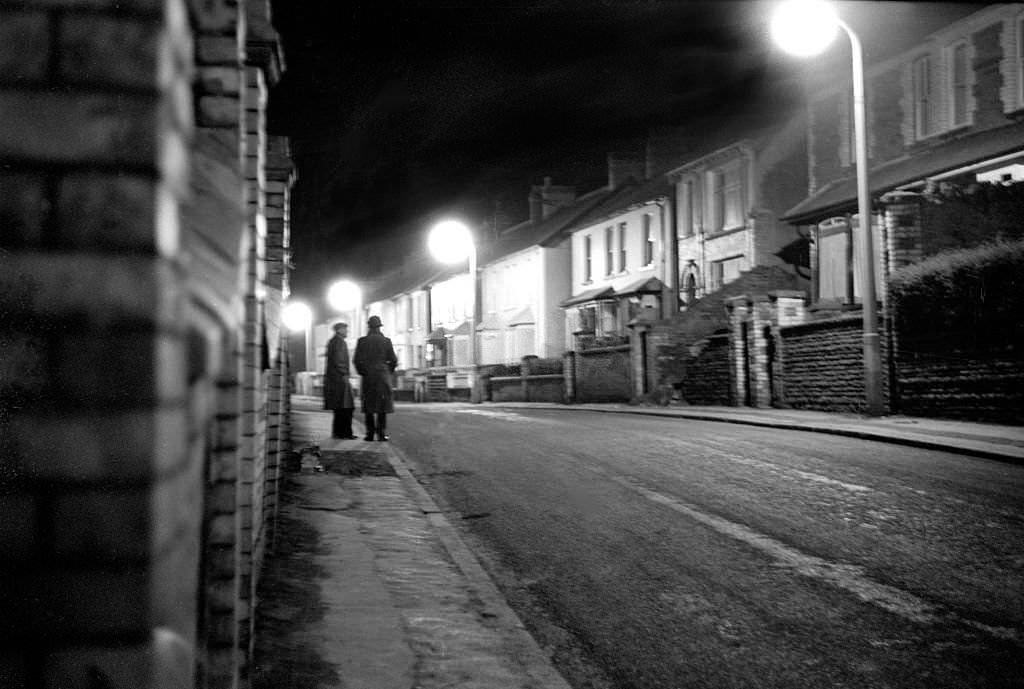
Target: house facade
[[945, 112], [728, 204], [619, 263]]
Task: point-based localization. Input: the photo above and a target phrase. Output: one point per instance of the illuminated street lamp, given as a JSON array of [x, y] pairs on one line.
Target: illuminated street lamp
[[344, 296], [805, 28], [450, 241], [298, 317]]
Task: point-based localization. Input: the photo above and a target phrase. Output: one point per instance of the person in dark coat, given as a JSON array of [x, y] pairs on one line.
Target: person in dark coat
[[337, 388], [375, 361]]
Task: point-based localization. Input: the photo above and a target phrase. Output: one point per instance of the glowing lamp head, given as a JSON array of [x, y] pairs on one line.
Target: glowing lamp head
[[450, 241], [804, 27], [343, 295], [296, 316]]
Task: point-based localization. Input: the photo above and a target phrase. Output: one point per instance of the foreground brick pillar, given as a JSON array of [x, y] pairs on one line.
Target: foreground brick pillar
[[100, 499], [217, 244], [902, 229]]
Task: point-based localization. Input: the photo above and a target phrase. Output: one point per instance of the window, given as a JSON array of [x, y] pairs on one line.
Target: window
[[691, 208], [648, 240], [622, 246], [959, 89], [724, 272], [609, 250], [923, 97], [727, 198], [1020, 60], [588, 260]]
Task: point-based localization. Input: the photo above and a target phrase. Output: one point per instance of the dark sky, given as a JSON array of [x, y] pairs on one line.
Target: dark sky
[[399, 112]]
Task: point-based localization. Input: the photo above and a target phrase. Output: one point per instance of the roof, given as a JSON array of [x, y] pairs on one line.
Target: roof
[[840, 196], [624, 197], [598, 294], [527, 234]]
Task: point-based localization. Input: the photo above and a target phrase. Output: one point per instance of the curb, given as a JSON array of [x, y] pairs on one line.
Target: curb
[[534, 661]]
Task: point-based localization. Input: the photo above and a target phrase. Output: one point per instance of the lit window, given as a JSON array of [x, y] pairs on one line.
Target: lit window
[[588, 260], [958, 86], [727, 188], [622, 246], [609, 250], [648, 241], [923, 97]]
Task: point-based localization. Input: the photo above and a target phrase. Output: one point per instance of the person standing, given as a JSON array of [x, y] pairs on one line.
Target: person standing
[[337, 388], [375, 361]]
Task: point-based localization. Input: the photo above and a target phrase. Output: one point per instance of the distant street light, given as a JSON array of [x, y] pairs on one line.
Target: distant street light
[[450, 241], [297, 317], [345, 296], [805, 28]]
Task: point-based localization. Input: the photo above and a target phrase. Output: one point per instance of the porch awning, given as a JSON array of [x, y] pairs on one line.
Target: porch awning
[[841, 196], [648, 286], [524, 317], [599, 294]]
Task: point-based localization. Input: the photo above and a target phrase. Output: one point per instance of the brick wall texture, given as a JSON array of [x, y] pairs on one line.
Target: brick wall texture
[[143, 262]]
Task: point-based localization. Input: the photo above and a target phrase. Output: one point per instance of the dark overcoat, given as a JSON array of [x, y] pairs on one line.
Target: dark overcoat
[[337, 389], [375, 361]]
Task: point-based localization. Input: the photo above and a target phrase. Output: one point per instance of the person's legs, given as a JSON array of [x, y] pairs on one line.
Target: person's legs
[[382, 426], [368, 418], [338, 424], [346, 425]]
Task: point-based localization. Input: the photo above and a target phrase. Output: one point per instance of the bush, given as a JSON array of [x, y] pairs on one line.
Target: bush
[[963, 298]]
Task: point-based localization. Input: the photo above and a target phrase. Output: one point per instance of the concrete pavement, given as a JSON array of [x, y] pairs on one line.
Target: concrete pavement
[[370, 587]]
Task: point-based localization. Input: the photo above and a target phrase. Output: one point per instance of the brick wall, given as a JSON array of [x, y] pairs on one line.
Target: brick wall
[[822, 364], [707, 376], [602, 375], [124, 256]]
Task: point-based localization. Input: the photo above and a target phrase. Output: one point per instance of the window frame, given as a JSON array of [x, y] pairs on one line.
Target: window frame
[[609, 250], [923, 96], [648, 239], [588, 259], [953, 88], [623, 230]]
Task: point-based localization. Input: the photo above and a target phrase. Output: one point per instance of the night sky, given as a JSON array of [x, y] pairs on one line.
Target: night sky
[[400, 112]]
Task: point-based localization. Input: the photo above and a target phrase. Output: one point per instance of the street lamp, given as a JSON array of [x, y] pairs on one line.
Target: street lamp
[[297, 317], [805, 28], [345, 295], [450, 241]]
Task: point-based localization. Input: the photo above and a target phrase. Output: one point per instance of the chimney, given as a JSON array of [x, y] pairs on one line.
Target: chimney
[[545, 200], [622, 166]]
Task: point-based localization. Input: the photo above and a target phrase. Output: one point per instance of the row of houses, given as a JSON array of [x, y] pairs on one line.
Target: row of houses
[[677, 224]]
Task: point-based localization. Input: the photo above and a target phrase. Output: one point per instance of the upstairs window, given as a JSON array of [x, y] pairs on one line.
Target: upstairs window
[[648, 240], [622, 246], [690, 216], [727, 198], [959, 88], [609, 250], [588, 260], [924, 100]]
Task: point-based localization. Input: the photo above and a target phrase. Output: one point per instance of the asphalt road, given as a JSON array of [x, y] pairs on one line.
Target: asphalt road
[[649, 553]]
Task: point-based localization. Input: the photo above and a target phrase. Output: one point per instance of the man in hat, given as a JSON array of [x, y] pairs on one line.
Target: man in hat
[[375, 361], [337, 389]]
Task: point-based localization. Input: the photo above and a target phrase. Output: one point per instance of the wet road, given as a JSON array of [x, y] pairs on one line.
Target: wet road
[[651, 553]]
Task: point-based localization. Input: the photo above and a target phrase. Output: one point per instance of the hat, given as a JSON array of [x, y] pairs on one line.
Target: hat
[[374, 322], [339, 325]]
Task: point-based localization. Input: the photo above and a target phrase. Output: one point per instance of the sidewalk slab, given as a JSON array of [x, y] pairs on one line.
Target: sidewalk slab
[[391, 597]]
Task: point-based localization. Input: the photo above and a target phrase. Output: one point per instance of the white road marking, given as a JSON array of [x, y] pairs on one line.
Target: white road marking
[[850, 578]]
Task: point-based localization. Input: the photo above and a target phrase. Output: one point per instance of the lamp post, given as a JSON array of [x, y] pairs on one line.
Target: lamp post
[[805, 28], [343, 296], [450, 241], [297, 317]]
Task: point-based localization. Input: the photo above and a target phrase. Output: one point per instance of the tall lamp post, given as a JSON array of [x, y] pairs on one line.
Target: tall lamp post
[[450, 241], [298, 317], [805, 28], [344, 296]]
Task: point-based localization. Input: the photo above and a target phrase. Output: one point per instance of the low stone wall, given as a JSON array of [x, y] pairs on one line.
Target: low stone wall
[[976, 386], [822, 365], [603, 375], [706, 378], [530, 388]]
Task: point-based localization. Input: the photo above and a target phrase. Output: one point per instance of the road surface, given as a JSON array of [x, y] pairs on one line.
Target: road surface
[[648, 552]]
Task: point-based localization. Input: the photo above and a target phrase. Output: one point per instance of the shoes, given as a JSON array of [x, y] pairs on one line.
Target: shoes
[[383, 438], [368, 437], [349, 437]]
